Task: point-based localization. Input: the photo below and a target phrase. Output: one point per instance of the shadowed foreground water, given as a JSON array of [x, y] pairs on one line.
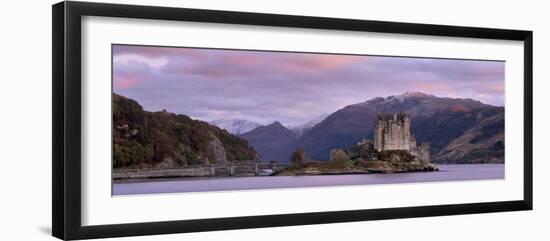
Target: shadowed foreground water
[[446, 173]]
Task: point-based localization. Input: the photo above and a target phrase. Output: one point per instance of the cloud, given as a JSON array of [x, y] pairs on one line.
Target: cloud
[[155, 62], [289, 87], [156, 52], [129, 74], [236, 63], [318, 62]]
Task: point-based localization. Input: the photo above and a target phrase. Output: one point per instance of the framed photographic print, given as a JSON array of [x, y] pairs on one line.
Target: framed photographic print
[[169, 120]]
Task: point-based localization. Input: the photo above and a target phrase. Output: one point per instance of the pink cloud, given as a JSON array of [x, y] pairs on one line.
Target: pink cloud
[[130, 74], [243, 59], [494, 88], [246, 64], [488, 69], [430, 87], [124, 82], [258, 72], [221, 71], [318, 62]]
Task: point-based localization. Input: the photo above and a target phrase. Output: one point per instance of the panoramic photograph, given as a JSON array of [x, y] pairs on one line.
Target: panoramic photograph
[[200, 119]]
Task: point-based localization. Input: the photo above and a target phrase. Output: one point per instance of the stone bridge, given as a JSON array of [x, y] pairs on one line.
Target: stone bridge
[[214, 170]]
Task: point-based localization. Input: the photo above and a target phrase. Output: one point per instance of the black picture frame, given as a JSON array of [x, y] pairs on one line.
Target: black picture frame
[[66, 158]]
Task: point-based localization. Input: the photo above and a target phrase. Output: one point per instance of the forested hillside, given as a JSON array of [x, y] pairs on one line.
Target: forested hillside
[[164, 139]]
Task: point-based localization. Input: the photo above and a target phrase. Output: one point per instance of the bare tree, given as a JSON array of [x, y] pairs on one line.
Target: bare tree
[[298, 157]]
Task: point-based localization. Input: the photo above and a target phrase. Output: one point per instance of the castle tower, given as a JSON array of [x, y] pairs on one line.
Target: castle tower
[[412, 145], [393, 132], [424, 152]]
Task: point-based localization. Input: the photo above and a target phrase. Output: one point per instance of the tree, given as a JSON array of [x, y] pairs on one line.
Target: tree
[[298, 157], [337, 155], [142, 138]]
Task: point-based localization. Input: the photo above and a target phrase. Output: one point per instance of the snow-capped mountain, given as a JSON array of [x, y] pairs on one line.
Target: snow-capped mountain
[[459, 130], [303, 128], [235, 126]]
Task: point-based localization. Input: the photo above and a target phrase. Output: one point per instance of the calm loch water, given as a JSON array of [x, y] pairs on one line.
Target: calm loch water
[[446, 173]]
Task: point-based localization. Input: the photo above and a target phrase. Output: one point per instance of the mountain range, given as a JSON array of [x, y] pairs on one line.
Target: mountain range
[[460, 130], [300, 130], [235, 126], [239, 126]]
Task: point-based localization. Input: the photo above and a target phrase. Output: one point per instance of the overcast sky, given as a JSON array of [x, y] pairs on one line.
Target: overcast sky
[[292, 88]]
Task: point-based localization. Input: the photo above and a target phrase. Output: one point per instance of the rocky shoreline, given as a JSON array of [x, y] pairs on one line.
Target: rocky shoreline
[[358, 167]]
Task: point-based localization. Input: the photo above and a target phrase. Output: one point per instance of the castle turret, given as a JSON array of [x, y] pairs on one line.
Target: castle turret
[[392, 132], [424, 152]]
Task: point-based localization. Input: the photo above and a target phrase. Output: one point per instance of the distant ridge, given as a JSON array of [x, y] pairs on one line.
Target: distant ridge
[[460, 130], [273, 141], [235, 126], [303, 128]]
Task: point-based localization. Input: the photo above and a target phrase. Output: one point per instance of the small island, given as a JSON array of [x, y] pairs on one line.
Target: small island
[[394, 150]]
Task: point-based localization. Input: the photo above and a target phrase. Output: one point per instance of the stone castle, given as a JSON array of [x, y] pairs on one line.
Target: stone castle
[[393, 132]]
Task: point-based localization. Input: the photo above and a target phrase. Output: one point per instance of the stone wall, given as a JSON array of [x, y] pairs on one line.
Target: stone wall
[[159, 173], [241, 169], [392, 132], [424, 152]]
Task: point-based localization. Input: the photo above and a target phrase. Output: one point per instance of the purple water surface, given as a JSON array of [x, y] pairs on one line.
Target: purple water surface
[[446, 173]]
